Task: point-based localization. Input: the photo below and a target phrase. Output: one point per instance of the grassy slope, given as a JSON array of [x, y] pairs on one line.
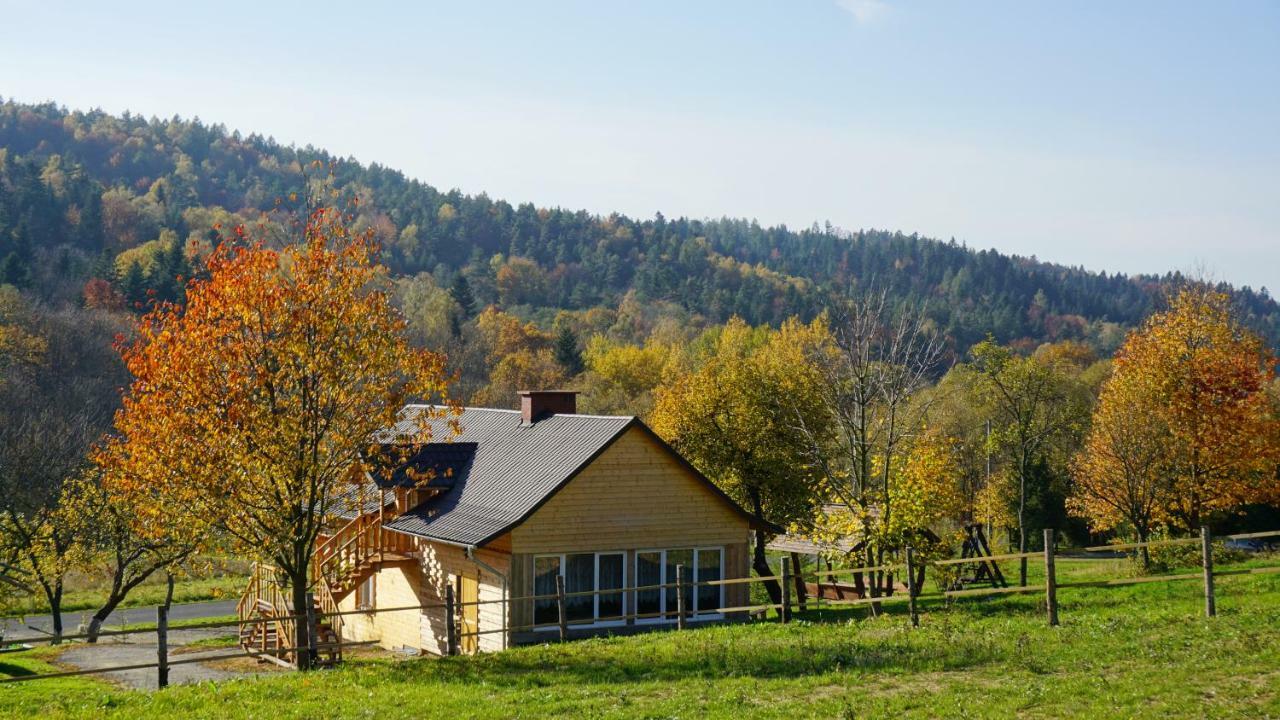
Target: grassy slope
[[1135, 651]]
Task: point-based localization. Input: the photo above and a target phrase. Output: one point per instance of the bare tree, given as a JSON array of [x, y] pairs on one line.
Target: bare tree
[[879, 360]]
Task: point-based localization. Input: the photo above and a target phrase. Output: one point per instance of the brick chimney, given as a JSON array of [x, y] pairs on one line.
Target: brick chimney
[[536, 405]]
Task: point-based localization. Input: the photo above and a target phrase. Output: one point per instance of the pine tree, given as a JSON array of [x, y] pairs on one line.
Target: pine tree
[[15, 271], [133, 285], [460, 291], [567, 353]]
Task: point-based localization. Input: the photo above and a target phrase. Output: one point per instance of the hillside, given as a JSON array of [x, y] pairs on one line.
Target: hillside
[[87, 194]]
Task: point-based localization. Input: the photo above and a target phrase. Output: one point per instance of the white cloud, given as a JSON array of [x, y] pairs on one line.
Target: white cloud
[[864, 11]]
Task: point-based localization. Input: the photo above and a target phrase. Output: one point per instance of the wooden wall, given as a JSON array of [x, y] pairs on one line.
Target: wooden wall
[[635, 495]]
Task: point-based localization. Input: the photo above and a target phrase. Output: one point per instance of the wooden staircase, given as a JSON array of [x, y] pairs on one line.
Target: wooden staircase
[[340, 563], [268, 624], [357, 549]]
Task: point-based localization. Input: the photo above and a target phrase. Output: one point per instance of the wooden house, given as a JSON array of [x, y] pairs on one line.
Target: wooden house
[[515, 500]]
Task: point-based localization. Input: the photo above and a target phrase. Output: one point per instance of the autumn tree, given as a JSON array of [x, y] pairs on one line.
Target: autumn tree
[[726, 418], [1120, 474], [254, 402], [1036, 410], [622, 377], [1192, 410]]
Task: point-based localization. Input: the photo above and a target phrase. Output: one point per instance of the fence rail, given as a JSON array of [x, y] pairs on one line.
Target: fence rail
[[685, 591]]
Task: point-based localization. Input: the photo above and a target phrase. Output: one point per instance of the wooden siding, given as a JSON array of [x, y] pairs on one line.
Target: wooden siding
[[634, 495], [424, 583]]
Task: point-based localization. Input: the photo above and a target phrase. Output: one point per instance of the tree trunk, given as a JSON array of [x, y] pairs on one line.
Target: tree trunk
[[100, 617], [53, 593], [1022, 522], [760, 563], [168, 593], [802, 596], [872, 583], [120, 589], [298, 591]]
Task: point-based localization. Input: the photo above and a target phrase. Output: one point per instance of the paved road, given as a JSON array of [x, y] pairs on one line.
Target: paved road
[[14, 627]]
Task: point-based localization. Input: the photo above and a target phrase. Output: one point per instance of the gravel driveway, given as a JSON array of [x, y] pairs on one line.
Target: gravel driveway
[[140, 648]]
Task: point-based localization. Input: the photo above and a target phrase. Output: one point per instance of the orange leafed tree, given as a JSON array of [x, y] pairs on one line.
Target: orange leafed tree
[[252, 404], [1187, 416]]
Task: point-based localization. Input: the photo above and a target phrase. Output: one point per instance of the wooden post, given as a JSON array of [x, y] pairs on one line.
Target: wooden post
[[450, 621], [680, 604], [1050, 579], [312, 653], [784, 613], [564, 620], [817, 583], [911, 588], [1206, 552], [162, 646]]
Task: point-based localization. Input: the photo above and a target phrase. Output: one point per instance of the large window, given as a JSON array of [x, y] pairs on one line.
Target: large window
[[658, 567], [591, 573]]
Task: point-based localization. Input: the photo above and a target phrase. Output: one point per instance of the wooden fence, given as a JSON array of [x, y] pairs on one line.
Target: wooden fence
[[680, 617]]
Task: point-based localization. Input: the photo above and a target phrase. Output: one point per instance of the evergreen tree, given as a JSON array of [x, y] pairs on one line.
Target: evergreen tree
[[460, 291], [567, 352], [133, 285], [15, 271]]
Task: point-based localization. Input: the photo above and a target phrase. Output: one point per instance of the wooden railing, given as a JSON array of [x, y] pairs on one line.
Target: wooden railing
[[361, 541], [264, 596]]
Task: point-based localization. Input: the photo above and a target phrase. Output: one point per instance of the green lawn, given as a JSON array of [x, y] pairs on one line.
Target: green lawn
[[1134, 651], [88, 594]]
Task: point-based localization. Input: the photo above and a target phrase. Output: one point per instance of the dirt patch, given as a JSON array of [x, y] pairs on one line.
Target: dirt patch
[[141, 649]]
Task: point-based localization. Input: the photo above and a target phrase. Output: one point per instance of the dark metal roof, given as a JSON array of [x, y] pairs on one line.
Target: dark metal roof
[[355, 499], [513, 469], [433, 465]]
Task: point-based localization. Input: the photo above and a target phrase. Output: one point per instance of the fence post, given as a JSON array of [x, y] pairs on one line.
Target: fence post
[[784, 614], [1206, 551], [564, 621], [450, 621], [313, 655], [1050, 578], [911, 587], [817, 583], [680, 604], [162, 646]]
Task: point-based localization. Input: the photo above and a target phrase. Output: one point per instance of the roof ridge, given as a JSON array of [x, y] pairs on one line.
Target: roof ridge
[[517, 412]]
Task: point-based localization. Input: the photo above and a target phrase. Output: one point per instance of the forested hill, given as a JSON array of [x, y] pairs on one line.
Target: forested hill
[[91, 195]]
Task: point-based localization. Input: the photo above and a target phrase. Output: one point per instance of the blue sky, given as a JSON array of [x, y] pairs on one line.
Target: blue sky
[[1126, 136]]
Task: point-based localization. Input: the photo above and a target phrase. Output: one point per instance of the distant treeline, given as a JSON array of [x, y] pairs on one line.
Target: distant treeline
[[88, 195]]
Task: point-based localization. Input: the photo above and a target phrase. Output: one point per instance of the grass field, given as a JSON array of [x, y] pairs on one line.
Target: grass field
[[1134, 651], [217, 579]]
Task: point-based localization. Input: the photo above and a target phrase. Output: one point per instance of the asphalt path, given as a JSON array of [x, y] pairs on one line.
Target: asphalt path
[[39, 624]]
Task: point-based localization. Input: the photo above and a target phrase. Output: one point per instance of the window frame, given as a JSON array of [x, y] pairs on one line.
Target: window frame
[[694, 614], [563, 560]]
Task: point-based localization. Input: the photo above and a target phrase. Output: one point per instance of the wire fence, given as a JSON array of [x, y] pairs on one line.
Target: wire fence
[[307, 650]]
